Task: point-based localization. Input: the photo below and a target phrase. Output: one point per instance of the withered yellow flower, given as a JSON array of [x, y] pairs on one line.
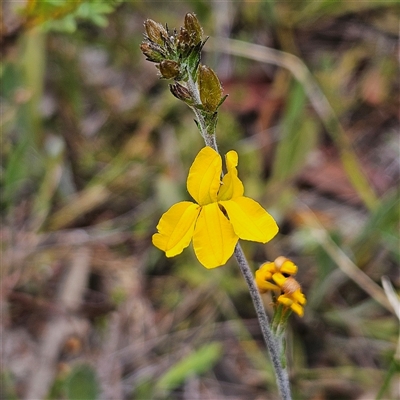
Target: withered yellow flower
[[277, 276], [220, 216]]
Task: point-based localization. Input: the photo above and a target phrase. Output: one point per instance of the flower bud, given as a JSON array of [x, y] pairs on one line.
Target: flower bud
[[210, 88], [150, 52], [183, 38], [169, 69], [155, 31], [181, 93], [194, 28]]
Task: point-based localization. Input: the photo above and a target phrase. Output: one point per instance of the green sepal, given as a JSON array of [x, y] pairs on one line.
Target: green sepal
[[222, 100], [193, 59]]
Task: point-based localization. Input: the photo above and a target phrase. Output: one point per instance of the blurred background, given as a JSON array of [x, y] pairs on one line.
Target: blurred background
[[94, 148]]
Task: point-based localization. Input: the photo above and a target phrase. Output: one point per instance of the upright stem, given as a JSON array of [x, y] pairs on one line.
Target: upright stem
[[274, 345]]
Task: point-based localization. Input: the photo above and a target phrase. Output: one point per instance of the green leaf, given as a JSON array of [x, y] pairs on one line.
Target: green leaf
[[89, 10], [16, 172], [381, 228], [193, 60], [390, 378], [66, 24], [298, 137], [82, 383], [196, 363], [63, 15], [99, 20]]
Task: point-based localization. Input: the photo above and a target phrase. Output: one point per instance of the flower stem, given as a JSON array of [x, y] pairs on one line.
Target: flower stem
[[274, 344], [271, 342]]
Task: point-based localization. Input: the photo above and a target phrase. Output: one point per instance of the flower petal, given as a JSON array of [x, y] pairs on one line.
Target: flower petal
[[288, 302], [205, 176], [262, 281], [298, 309], [232, 186], [299, 297], [279, 279], [249, 220], [214, 239], [285, 300], [231, 160], [176, 228], [268, 268], [285, 265]]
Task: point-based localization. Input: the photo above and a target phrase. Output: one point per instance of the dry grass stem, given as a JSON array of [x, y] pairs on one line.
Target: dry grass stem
[[317, 98], [62, 326], [347, 266]]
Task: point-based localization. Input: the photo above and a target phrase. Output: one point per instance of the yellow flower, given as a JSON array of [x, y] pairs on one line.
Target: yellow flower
[[220, 216], [273, 276]]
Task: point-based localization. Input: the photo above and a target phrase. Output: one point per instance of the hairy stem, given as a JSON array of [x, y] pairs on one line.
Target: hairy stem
[[274, 345]]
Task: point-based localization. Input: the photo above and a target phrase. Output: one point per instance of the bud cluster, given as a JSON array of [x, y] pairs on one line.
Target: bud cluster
[[176, 53], [177, 56]]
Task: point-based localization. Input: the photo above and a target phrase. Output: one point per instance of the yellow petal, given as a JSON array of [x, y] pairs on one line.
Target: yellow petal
[[279, 279], [286, 301], [265, 271], [262, 282], [214, 239], [249, 220], [205, 176], [285, 265], [299, 297], [268, 267], [176, 228], [298, 309], [231, 186], [231, 160]]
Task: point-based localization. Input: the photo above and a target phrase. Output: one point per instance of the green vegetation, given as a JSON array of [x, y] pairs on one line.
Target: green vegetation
[[94, 148]]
